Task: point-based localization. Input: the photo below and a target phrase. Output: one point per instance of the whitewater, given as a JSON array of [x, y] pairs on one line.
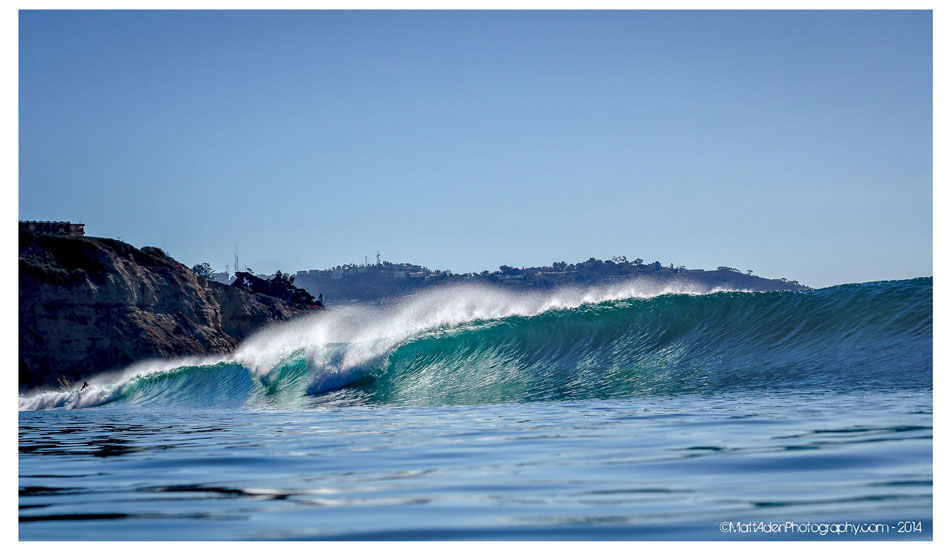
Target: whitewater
[[341, 344], [589, 342], [613, 412]]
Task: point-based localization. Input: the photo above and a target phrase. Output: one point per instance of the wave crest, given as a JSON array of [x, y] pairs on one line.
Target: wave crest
[[475, 344]]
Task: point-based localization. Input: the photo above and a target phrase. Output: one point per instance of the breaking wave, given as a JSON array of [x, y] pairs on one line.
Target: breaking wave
[[473, 344]]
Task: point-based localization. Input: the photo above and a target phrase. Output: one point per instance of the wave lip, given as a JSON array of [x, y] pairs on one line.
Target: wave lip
[[473, 344]]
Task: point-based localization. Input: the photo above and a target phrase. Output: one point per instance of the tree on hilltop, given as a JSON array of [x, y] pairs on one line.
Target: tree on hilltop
[[281, 285], [203, 270]]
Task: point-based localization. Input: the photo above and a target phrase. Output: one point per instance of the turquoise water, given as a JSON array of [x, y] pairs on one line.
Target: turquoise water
[[469, 414]]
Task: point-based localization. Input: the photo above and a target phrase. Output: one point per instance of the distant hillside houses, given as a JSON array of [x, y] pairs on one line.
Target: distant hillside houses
[[382, 280]]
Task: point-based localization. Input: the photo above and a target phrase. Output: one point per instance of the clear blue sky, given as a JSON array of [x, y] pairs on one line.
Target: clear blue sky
[[795, 144]]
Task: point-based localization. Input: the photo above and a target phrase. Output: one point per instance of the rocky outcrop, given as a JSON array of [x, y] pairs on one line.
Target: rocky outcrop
[[88, 305]]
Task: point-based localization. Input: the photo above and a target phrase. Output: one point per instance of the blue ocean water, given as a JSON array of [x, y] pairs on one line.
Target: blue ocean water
[[471, 413]]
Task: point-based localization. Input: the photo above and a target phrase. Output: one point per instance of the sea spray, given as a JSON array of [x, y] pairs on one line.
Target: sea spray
[[475, 344]]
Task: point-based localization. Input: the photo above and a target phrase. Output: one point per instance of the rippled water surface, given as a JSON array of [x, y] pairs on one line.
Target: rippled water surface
[[634, 468], [471, 413]]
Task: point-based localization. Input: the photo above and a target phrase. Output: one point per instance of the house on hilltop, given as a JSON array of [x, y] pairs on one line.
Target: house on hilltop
[[54, 228]]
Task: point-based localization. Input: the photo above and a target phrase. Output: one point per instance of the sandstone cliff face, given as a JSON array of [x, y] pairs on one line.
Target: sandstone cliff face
[[88, 305]]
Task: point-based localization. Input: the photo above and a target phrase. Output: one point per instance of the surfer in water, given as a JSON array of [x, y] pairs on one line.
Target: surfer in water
[[84, 385]]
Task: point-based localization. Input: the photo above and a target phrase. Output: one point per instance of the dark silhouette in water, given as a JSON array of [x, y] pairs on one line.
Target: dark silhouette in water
[[84, 385]]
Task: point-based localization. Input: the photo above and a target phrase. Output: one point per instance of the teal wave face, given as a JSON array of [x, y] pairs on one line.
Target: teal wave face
[[850, 338]]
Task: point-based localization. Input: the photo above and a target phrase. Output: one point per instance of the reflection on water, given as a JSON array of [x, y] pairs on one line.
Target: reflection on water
[[657, 468]]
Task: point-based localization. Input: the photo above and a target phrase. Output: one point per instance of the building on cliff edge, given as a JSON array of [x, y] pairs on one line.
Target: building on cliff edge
[[55, 228]]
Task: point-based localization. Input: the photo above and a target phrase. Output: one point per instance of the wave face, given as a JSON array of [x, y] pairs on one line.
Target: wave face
[[470, 344]]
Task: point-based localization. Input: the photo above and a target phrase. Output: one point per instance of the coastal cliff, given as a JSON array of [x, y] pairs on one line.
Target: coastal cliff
[[89, 305]]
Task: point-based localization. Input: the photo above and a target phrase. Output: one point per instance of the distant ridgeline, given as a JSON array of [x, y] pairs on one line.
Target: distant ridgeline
[[382, 280]]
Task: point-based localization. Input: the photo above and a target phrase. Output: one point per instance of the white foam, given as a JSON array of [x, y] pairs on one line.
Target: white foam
[[108, 386], [344, 343]]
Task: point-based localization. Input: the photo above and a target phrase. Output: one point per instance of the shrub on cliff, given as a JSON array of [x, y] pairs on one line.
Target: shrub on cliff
[[280, 286]]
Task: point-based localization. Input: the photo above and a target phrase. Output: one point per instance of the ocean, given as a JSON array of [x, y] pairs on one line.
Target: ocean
[[609, 413]]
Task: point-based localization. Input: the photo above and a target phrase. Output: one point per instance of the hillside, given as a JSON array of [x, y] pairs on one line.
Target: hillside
[[89, 305], [384, 280]]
